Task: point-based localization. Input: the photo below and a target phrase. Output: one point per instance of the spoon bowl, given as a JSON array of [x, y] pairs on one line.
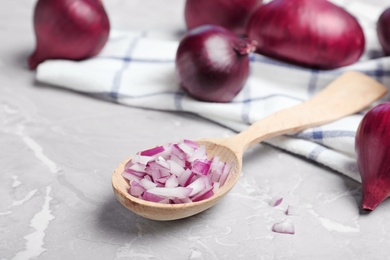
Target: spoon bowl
[[348, 94], [159, 211]]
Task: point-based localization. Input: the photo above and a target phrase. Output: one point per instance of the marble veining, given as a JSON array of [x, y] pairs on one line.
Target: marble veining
[[40, 222], [39, 153]]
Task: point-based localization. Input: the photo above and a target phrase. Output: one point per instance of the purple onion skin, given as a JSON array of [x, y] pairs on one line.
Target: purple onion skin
[[383, 31], [373, 152], [231, 14], [310, 33], [212, 63], [69, 29]]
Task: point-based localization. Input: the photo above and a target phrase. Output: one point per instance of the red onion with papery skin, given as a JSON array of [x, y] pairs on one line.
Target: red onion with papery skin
[[69, 29], [212, 63], [309, 33], [383, 30], [372, 147], [231, 14]]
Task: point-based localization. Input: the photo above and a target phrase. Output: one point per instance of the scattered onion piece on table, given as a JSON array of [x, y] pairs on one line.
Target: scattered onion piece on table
[[275, 200], [175, 173], [292, 210], [286, 226]]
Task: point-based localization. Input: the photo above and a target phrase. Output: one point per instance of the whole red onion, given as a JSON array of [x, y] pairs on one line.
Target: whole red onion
[[310, 33], [373, 153], [212, 63], [383, 30], [69, 29], [231, 14]]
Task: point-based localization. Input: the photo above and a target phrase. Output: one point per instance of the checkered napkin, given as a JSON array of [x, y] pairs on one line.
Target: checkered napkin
[[137, 69]]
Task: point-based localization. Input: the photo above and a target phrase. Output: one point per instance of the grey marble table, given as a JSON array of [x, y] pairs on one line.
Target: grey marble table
[[58, 150]]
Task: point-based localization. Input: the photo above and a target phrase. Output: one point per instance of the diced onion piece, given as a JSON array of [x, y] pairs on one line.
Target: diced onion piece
[[142, 159], [186, 149], [197, 185], [216, 176], [285, 227], [172, 182], [216, 186], [137, 167], [147, 184], [156, 174], [178, 152], [199, 153], [292, 210], [275, 201], [177, 160], [131, 177], [178, 192], [153, 151], [201, 166], [215, 164], [192, 144], [175, 167], [162, 162], [225, 173], [165, 154], [151, 197], [136, 189], [162, 180], [205, 195], [185, 178]]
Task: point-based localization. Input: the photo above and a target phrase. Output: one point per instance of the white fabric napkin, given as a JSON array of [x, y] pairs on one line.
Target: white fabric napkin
[[137, 69]]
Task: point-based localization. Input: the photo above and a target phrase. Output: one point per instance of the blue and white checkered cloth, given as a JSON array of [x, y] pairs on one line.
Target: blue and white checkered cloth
[[138, 69]]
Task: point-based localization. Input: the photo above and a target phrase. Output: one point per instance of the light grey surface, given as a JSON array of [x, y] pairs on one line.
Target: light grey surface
[[58, 150]]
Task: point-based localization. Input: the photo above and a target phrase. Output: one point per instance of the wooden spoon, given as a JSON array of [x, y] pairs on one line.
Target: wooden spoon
[[348, 94]]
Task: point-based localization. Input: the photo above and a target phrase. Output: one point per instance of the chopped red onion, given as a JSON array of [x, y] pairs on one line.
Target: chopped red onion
[[275, 201], [188, 150], [175, 173], [225, 173], [176, 168], [203, 196], [285, 227], [178, 192], [201, 166], [147, 184], [292, 210], [150, 197], [192, 144], [172, 182], [130, 177], [178, 161], [153, 151], [161, 161], [178, 152], [197, 185], [143, 159], [136, 189], [186, 177]]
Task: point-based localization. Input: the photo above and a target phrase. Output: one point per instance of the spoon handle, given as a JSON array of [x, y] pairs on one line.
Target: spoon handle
[[348, 94]]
